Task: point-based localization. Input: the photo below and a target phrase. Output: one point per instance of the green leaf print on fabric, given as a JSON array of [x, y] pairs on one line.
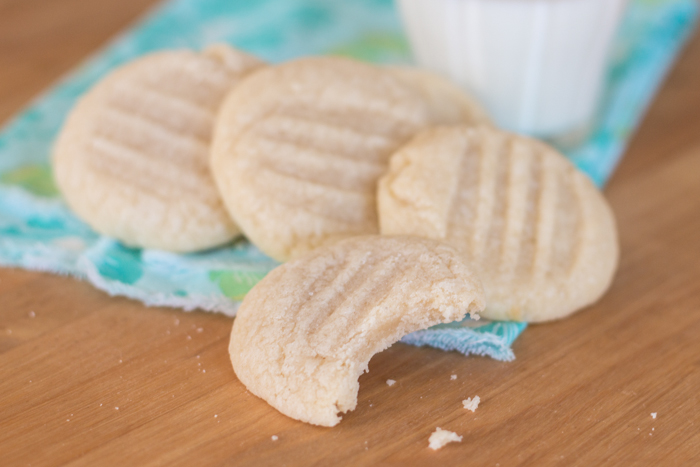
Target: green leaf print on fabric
[[235, 284], [376, 47], [36, 179]]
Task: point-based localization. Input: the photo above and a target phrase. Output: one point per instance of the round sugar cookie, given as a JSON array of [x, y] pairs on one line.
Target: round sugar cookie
[[298, 148], [132, 159], [538, 233], [304, 334]]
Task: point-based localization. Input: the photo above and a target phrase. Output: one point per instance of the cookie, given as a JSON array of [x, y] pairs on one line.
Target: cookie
[[538, 233], [299, 147], [306, 332], [132, 159]]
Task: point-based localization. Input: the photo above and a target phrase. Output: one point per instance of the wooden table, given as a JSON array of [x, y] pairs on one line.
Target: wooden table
[[86, 379]]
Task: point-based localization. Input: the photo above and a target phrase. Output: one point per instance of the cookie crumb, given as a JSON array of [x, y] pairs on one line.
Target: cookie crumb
[[274, 438], [453, 377], [471, 404], [653, 415], [390, 382], [441, 437]]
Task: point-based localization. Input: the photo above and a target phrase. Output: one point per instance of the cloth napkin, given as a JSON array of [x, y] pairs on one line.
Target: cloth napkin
[[38, 232]]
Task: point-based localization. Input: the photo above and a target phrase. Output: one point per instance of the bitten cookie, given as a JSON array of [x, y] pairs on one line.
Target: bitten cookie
[[538, 233], [299, 147], [306, 332], [132, 157]]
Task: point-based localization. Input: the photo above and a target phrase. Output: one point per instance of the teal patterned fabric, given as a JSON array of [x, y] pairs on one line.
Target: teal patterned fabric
[[38, 232]]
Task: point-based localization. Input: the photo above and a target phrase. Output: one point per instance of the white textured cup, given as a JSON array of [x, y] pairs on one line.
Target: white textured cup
[[536, 65]]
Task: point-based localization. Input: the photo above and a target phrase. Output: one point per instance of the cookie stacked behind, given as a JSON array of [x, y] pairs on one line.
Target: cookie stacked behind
[[299, 147]]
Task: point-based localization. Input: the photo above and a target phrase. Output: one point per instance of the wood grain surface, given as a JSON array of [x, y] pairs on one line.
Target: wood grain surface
[[86, 379]]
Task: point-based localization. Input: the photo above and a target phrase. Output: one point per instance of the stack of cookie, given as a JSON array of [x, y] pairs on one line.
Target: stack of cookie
[[399, 205]]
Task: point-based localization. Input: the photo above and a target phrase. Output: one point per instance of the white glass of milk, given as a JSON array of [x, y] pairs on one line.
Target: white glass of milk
[[537, 66]]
